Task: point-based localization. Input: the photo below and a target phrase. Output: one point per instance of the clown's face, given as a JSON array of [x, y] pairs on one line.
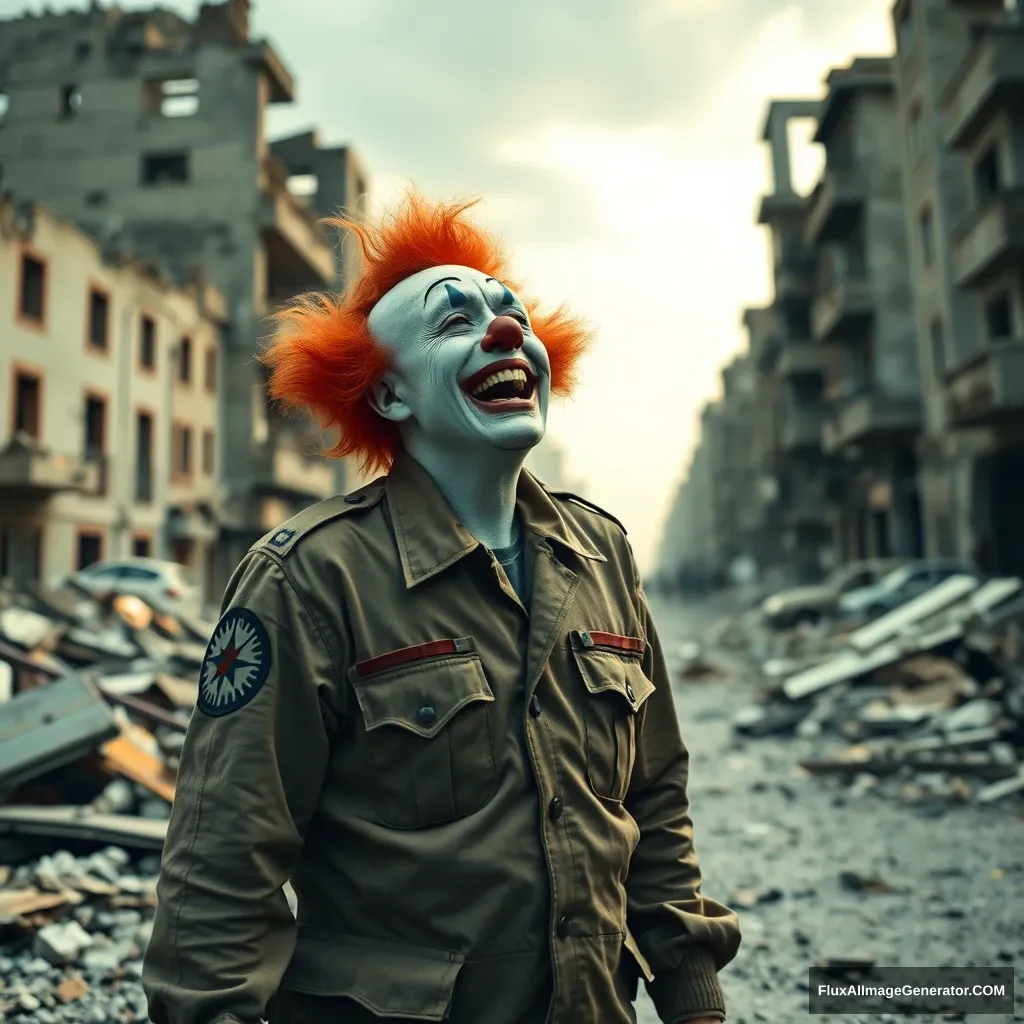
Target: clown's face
[[466, 368]]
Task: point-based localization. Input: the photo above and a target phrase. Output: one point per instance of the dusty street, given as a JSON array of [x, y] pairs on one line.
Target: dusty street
[[957, 875]]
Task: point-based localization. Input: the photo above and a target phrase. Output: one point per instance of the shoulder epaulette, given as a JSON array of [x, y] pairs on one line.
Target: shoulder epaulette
[[284, 538], [569, 496]]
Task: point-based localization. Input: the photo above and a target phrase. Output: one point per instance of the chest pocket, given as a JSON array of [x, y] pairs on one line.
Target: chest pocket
[[615, 688], [426, 711]]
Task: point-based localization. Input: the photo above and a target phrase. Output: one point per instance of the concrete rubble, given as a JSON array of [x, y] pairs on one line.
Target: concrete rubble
[[95, 697], [924, 704]]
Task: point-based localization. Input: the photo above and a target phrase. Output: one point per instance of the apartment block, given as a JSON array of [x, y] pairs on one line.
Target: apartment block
[[791, 365], [109, 375], [148, 130], [960, 75], [863, 316]]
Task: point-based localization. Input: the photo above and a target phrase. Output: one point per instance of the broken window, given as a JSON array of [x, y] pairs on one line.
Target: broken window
[[144, 457], [999, 317], [70, 101], [987, 179], [165, 168], [99, 319], [90, 548], [147, 343], [27, 393], [32, 300], [172, 97]]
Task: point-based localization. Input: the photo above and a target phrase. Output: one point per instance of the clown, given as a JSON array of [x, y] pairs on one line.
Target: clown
[[438, 705]]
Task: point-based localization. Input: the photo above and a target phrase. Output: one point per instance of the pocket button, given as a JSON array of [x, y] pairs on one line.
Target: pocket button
[[630, 694], [426, 716], [556, 808]]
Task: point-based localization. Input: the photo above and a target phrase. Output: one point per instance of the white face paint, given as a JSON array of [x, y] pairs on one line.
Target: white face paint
[[449, 329]]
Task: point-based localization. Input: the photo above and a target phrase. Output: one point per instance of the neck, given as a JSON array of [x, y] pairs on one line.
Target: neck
[[480, 487]]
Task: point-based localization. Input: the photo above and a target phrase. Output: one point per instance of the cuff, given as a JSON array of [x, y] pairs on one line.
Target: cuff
[[692, 990]]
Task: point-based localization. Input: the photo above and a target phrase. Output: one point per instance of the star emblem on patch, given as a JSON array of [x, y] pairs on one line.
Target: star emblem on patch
[[236, 664]]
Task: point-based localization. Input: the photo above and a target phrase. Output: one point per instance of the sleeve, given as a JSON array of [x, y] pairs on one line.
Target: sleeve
[[249, 780], [685, 937]]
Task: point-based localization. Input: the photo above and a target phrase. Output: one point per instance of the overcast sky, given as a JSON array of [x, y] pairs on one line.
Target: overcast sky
[[617, 145]]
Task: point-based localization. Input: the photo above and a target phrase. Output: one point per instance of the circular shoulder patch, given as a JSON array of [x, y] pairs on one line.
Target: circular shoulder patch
[[236, 664]]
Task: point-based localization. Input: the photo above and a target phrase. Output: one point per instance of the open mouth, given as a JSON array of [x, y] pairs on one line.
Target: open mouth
[[504, 386]]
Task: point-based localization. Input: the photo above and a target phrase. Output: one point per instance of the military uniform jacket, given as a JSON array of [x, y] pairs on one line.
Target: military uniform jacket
[[483, 812]]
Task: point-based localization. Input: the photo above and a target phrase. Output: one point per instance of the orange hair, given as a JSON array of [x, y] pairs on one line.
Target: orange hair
[[322, 358]]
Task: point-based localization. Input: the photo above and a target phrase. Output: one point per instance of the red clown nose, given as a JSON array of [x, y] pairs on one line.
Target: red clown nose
[[504, 334]]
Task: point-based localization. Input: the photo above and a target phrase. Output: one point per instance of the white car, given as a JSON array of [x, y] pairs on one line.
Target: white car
[[163, 585]]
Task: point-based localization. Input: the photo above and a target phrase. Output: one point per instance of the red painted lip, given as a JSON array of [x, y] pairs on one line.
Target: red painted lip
[[481, 375]]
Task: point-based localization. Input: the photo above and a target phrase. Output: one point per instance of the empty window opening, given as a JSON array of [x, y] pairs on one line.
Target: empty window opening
[[208, 452], [172, 97], [185, 361], [95, 427], [915, 133], [99, 320], [27, 405], [926, 226], [938, 345], [182, 451], [987, 183], [144, 457], [90, 549], [211, 370], [142, 547], [302, 185], [32, 300], [147, 342], [999, 317], [70, 101], [165, 168]]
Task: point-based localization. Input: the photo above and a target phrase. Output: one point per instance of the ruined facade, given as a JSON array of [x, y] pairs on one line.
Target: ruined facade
[[148, 131]]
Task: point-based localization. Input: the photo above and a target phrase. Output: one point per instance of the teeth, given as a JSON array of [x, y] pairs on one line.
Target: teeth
[[518, 376]]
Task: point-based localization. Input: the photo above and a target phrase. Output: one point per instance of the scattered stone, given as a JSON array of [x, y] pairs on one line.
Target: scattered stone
[[61, 943]]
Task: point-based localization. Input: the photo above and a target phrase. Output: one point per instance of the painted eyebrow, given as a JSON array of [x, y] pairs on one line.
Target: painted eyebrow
[[440, 280], [506, 296]]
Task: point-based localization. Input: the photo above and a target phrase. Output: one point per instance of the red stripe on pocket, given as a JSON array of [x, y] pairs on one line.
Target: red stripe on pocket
[[404, 655], [622, 643]]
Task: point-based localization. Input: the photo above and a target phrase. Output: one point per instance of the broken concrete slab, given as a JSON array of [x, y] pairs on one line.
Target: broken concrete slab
[[61, 943], [912, 613], [49, 727]]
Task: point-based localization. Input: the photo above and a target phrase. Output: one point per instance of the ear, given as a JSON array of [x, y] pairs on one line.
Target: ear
[[385, 401]]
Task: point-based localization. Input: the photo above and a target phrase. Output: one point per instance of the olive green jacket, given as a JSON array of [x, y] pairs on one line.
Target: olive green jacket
[[482, 811]]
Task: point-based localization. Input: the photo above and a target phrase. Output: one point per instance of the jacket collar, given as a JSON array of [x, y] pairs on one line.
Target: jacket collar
[[430, 538]]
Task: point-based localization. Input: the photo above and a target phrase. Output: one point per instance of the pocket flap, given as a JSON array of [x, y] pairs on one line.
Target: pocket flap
[[422, 696], [630, 943], [389, 979], [605, 671]]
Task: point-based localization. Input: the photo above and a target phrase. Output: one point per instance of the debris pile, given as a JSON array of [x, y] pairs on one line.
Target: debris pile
[[928, 698], [72, 934], [95, 697]]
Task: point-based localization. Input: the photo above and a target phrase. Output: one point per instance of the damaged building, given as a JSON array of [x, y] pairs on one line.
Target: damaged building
[[163, 121], [108, 406], [889, 395]]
